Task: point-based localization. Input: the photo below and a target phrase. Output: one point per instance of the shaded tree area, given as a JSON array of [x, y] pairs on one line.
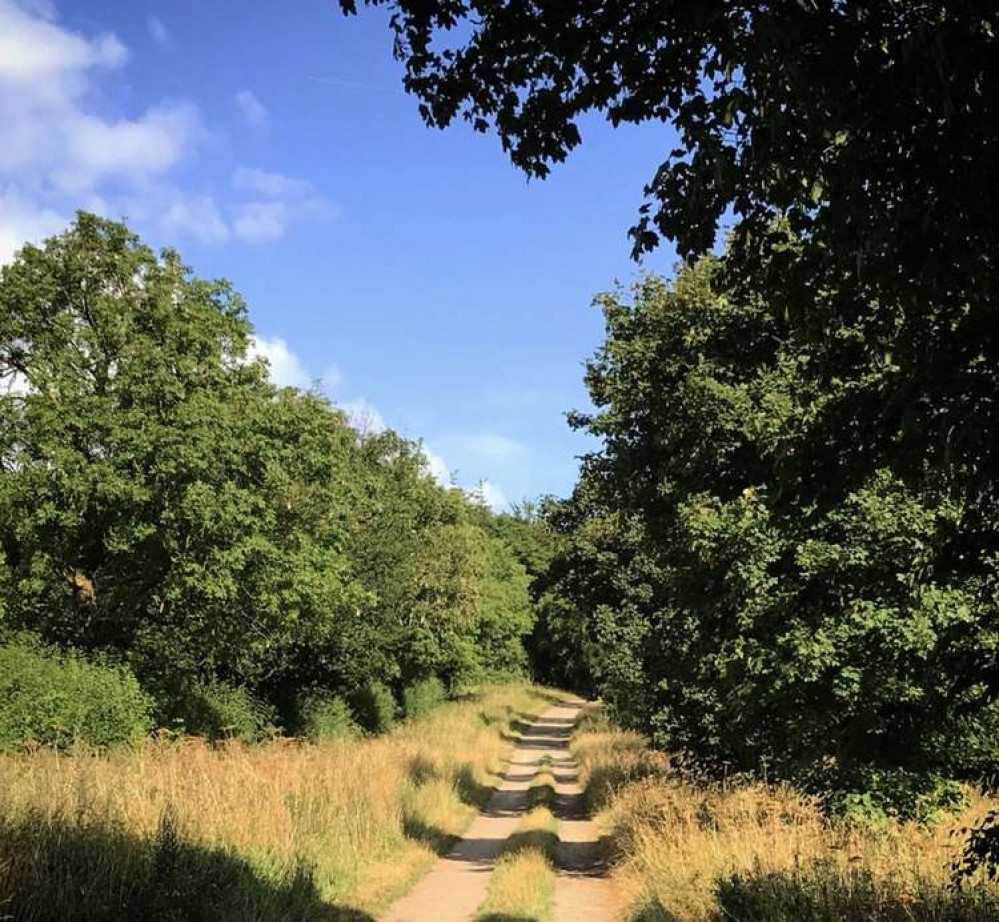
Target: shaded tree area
[[773, 568], [163, 506]]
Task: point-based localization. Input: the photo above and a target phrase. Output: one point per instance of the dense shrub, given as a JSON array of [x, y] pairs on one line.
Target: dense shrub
[[324, 717], [58, 699], [423, 696], [219, 711], [375, 707]]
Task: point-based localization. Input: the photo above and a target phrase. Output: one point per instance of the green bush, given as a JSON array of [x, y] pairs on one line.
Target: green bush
[[375, 707], [325, 717], [870, 796], [219, 711], [58, 699], [422, 697]]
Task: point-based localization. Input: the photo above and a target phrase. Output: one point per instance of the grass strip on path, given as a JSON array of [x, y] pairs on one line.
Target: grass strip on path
[[522, 885]]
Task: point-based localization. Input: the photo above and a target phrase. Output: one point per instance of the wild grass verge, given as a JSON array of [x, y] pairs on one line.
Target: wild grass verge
[[522, 885], [282, 830], [687, 852]]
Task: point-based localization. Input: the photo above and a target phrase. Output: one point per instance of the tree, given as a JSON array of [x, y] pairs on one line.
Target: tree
[[769, 574], [868, 127], [163, 504], [159, 498]]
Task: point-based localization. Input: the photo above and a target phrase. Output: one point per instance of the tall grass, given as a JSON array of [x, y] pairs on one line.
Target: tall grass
[[282, 830], [689, 852]]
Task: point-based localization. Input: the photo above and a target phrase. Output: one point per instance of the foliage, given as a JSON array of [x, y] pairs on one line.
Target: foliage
[[162, 503], [322, 717], [865, 128], [981, 851], [217, 711], [60, 699], [422, 697], [375, 707], [773, 566]]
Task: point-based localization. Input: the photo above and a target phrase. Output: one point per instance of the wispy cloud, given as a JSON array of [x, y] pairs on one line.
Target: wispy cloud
[[275, 185], [364, 417], [197, 217], [158, 31], [254, 112], [492, 495], [59, 152], [278, 201], [22, 219], [488, 447]]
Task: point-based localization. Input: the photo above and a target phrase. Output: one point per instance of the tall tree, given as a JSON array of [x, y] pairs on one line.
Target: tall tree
[[768, 573], [158, 495]]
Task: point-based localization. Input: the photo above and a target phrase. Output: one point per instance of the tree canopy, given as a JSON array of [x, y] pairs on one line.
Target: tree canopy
[[773, 568], [868, 130], [162, 503]]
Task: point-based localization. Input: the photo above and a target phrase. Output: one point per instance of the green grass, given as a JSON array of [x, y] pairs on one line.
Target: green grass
[[542, 790]]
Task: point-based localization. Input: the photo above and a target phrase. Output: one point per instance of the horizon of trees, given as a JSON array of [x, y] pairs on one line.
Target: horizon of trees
[[239, 547]]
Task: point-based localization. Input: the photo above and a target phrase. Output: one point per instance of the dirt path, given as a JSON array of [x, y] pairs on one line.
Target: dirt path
[[457, 885], [582, 891]]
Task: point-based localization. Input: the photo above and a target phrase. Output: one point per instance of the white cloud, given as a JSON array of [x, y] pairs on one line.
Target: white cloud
[[286, 369], [278, 201], [158, 31], [60, 153], [254, 112], [273, 185], [363, 416], [46, 75], [22, 220], [488, 447], [492, 495], [45, 60], [135, 150], [330, 378], [257, 222], [196, 217], [437, 468]]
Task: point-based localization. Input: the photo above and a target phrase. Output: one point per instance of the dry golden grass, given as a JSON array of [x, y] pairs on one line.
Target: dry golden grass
[[522, 885], [690, 853], [359, 818]]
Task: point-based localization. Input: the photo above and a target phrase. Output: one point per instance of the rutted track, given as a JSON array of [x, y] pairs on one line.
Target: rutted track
[[458, 883]]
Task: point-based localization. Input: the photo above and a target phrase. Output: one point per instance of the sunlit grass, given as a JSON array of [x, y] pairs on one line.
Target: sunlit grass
[[347, 823], [522, 885], [692, 853]]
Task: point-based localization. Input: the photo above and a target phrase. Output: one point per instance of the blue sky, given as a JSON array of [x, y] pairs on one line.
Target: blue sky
[[415, 272]]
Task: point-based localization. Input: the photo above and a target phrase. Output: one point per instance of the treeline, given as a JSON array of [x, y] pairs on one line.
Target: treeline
[[185, 545], [784, 557]]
